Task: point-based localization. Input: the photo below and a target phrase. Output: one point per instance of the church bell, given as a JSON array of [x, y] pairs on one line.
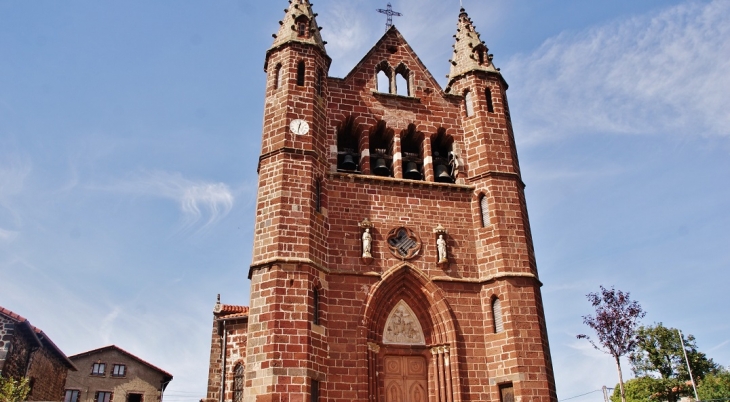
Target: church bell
[[412, 172], [348, 163], [442, 174], [381, 169]]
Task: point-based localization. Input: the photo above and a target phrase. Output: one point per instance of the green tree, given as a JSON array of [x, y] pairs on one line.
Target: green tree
[[659, 355], [641, 389], [12, 390], [715, 386]]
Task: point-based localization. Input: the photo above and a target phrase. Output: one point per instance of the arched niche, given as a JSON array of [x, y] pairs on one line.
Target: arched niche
[[412, 152], [442, 145], [381, 150], [348, 144]]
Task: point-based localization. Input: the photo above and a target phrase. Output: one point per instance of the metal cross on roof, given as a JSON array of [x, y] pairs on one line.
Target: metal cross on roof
[[390, 13]]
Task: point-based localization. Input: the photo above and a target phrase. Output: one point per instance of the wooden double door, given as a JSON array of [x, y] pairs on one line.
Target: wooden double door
[[406, 379]]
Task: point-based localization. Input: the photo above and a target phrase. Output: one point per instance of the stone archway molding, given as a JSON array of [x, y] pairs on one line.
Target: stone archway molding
[[406, 284]]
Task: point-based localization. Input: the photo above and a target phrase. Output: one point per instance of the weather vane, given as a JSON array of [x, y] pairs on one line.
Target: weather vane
[[390, 13]]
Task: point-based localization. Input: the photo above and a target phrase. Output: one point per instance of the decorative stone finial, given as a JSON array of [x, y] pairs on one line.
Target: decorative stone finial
[[218, 307], [470, 53], [299, 25]]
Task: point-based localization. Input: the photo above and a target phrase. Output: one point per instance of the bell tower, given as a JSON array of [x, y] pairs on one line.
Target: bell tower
[[284, 348], [392, 256]]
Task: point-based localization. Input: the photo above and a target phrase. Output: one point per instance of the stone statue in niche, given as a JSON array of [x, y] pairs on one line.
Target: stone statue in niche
[[403, 327], [441, 246], [367, 242]]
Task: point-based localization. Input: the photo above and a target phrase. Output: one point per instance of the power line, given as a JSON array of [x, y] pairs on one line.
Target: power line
[[578, 396]]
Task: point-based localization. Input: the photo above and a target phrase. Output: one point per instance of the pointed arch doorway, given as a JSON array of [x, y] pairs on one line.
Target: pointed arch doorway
[[410, 340], [405, 367]]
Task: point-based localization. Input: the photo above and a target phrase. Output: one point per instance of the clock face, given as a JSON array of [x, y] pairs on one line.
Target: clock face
[[299, 127]]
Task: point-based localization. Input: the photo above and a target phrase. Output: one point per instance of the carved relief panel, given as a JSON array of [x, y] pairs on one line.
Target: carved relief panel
[[403, 327]]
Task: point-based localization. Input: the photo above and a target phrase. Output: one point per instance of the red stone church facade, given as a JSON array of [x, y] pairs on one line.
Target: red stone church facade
[[393, 260]]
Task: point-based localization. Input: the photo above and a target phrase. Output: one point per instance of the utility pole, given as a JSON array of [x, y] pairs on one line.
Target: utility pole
[[605, 394], [697, 398]]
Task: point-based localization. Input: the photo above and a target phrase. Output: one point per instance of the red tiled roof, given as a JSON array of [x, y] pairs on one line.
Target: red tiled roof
[[231, 309], [117, 348], [41, 336]]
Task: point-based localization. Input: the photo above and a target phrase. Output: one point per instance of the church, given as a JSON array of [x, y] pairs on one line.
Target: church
[[392, 256]]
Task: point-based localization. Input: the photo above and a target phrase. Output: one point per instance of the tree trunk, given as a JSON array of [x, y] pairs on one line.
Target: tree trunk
[[620, 378]]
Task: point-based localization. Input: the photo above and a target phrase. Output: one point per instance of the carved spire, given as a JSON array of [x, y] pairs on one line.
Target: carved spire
[[299, 25], [470, 53]]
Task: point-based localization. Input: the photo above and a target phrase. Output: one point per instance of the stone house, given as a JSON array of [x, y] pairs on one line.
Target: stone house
[[111, 374], [26, 351]]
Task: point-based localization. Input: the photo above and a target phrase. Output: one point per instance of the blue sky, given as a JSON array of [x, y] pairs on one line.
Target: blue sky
[[130, 131]]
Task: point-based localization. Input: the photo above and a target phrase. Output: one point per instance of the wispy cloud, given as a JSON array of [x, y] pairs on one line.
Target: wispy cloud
[[201, 203], [664, 73], [7, 235]]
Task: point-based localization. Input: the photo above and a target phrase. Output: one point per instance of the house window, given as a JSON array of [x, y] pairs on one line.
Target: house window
[[490, 103], [497, 315], [72, 395], [119, 370], [300, 73], [98, 369], [103, 396], [134, 397], [238, 383], [469, 104]]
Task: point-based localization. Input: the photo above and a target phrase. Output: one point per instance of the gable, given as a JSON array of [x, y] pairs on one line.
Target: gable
[[392, 52]]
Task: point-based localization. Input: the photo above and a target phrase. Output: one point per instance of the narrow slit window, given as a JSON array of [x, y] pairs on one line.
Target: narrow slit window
[[300, 73], [319, 82], [469, 104], [238, 383], [315, 303], [484, 210], [318, 195], [497, 314], [277, 77], [490, 103]]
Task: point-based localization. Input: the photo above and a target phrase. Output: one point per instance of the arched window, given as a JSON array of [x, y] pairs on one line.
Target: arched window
[[277, 77], [401, 85], [315, 304], [497, 315], [469, 104], [238, 383], [490, 103], [484, 210], [300, 73], [383, 82]]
